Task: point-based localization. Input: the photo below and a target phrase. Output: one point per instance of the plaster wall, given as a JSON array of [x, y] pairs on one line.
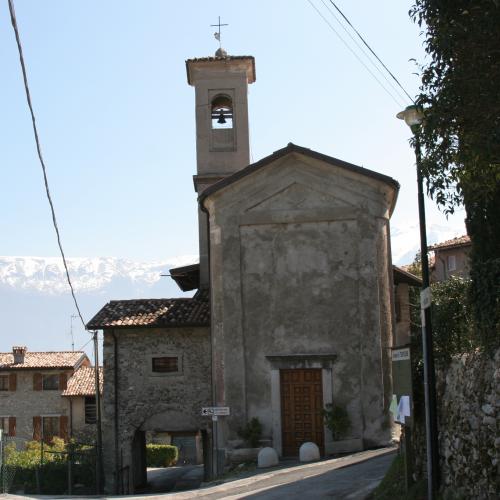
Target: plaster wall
[[300, 265], [149, 401], [402, 335], [441, 271], [25, 403]]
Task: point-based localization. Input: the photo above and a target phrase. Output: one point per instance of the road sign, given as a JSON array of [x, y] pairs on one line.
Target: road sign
[[425, 298], [401, 354], [220, 411]]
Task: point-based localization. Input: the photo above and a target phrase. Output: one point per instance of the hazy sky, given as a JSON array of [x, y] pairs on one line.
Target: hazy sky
[[116, 115]]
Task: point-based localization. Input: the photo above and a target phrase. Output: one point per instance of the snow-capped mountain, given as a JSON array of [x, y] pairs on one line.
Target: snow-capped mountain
[[405, 242], [47, 275]]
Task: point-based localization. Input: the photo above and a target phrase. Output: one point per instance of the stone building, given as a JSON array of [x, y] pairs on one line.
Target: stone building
[[32, 385], [294, 306]]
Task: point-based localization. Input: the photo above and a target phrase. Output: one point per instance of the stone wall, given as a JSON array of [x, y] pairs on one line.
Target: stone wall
[[25, 403], [468, 398], [168, 402]]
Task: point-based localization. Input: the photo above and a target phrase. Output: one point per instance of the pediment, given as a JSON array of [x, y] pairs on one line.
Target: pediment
[[297, 196]]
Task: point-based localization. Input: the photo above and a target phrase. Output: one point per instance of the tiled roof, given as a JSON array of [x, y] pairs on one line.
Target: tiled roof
[[455, 242], [154, 313], [56, 359], [402, 275], [82, 382]]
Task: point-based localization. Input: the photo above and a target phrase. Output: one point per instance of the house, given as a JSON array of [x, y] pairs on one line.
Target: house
[[81, 397], [294, 307], [402, 281], [32, 385], [451, 258]]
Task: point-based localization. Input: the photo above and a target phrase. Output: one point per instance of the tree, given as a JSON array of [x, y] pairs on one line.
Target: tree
[[460, 136]]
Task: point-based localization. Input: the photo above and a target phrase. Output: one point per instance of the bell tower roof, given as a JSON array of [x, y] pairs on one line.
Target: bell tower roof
[[218, 65]]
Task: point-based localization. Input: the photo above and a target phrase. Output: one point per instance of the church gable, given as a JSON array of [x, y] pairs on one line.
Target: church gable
[[295, 178], [297, 196]]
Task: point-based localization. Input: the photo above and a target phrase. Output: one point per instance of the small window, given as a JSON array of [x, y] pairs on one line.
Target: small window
[[166, 364], [50, 382], [50, 428], [222, 112], [452, 263], [90, 410], [4, 383]]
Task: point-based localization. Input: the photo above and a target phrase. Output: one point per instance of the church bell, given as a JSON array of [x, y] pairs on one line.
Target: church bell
[[221, 119]]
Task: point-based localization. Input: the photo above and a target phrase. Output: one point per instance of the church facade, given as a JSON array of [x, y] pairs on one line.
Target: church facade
[[294, 308]]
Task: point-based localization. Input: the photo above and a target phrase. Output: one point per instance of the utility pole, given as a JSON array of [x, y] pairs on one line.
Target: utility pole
[[98, 465], [73, 316]]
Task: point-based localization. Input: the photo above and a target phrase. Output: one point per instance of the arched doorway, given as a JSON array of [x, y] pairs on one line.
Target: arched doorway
[[193, 444]]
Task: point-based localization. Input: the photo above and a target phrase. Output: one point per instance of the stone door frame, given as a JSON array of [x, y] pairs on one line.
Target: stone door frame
[[298, 361]]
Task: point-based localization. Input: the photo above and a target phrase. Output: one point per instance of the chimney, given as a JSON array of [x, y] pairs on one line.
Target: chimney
[[19, 352]]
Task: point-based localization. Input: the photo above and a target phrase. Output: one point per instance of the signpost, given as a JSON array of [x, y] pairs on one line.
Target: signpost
[[215, 411]]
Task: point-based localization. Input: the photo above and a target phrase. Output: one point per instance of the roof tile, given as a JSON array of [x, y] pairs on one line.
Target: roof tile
[[454, 242], [154, 313], [59, 359], [82, 383]]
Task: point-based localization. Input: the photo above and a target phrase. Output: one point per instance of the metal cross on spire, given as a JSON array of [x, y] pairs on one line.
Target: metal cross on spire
[[217, 33]]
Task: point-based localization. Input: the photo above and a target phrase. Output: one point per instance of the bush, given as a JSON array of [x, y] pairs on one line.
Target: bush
[[337, 421], [252, 432], [161, 455], [28, 472]]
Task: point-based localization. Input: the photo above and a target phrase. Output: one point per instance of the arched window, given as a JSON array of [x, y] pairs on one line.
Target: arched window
[[222, 112]]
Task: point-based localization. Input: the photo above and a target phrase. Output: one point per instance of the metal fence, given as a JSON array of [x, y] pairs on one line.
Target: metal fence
[[34, 467]]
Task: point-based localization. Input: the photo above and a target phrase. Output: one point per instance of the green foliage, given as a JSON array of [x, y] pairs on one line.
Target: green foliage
[[453, 326], [393, 486], [337, 421], [29, 467], [460, 136], [252, 432], [161, 455]]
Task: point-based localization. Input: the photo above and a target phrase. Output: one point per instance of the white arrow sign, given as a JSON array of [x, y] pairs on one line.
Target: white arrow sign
[[221, 411]]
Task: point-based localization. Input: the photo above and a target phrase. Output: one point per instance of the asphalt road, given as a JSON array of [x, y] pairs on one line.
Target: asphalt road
[[352, 482]]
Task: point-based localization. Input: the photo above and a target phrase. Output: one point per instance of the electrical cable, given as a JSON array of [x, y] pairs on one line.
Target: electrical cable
[[354, 53], [369, 59], [39, 151], [372, 51]]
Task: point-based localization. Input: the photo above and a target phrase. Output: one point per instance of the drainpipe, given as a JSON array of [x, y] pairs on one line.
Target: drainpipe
[[70, 417], [115, 384], [213, 378]]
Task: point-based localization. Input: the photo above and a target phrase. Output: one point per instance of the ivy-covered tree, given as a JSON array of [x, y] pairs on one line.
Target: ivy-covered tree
[[460, 135]]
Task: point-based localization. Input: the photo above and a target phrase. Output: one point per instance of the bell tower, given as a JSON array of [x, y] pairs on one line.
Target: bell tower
[[222, 137]]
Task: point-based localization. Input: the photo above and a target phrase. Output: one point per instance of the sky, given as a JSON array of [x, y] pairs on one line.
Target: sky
[[116, 115]]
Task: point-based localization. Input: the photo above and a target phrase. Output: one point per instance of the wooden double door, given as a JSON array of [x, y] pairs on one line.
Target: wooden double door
[[301, 409]]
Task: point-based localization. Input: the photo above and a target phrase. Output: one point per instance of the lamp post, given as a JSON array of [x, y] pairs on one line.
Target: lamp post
[[413, 116]]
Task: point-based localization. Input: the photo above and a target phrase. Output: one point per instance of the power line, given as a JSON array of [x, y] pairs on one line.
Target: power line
[[369, 59], [354, 53], [372, 51], [39, 151]]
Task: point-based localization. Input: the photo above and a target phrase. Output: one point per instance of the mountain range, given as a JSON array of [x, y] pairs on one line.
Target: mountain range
[[37, 308]]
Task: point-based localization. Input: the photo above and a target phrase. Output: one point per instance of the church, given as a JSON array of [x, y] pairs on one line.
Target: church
[[293, 309]]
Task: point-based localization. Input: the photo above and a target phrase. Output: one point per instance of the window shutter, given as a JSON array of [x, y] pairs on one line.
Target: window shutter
[[37, 428], [63, 379], [37, 381], [12, 426], [12, 382], [63, 427]]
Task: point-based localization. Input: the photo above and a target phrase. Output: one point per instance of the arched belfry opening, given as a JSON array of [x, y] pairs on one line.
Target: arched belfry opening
[[222, 112]]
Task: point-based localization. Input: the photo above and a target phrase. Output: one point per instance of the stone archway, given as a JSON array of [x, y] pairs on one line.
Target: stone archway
[[180, 427]]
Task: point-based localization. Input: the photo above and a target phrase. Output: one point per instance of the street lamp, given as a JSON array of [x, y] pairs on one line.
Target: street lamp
[[413, 117]]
